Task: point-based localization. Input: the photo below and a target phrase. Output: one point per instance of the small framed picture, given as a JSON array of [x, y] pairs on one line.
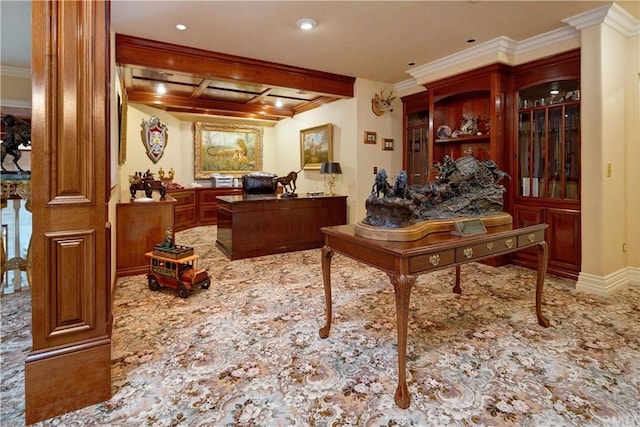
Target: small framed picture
[[387, 143], [369, 137]]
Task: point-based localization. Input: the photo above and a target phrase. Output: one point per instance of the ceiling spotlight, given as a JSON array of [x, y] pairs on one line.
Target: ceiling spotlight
[[161, 89], [279, 103], [554, 92], [471, 40], [181, 27], [306, 23]]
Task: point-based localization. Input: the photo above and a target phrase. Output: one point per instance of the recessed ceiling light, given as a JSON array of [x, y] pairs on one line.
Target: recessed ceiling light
[[471, 40], [306, 23], [161, 89], [181, 27], [279, 103], [554, 92], [411, 64]]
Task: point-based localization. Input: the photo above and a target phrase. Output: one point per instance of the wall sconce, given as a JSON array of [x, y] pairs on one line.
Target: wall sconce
[[330, 168]]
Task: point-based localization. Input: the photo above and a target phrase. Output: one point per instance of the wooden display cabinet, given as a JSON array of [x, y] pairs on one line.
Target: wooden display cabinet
[[546, 158], [483, 94], [416, 138]]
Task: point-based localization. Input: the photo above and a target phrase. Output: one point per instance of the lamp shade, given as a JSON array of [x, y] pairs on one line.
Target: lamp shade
[[330, 167]]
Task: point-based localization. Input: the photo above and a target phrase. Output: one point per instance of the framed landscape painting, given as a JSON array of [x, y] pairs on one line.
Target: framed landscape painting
[[316, 146], [226, 148]]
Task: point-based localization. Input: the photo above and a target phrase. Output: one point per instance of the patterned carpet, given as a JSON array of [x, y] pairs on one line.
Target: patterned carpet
[[246, 352]]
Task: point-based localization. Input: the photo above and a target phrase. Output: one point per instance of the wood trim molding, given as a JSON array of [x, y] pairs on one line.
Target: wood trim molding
[[165, 56]]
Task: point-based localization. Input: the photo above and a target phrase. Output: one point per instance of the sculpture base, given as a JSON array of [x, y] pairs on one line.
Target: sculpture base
[[421, 229]]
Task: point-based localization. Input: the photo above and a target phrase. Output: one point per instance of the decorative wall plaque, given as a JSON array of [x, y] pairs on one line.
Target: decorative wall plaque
[[154, 138]]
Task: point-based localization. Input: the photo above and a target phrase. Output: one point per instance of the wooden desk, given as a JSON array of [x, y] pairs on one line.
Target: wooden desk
[[404, 261], [141, 223], [257, 225]]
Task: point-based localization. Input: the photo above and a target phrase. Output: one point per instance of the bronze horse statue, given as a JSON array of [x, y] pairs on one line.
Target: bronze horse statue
[[18, 132], [288, 182]]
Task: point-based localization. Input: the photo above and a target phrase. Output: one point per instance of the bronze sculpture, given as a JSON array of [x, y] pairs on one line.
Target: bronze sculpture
[[18, 132]]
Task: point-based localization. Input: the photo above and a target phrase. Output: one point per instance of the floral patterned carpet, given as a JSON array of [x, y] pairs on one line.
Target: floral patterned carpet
[[246, 352]]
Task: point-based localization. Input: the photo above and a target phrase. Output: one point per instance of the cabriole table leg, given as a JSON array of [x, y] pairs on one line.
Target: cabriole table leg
[[402, 285], [327, 254]]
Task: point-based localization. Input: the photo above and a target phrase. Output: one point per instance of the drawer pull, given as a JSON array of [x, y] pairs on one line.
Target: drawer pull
[[509, 243], [531, 238], [468, 252], [490, 245], [434, 259]]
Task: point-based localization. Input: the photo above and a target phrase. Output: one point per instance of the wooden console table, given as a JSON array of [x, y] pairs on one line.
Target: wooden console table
[[404, 261], [257, 225], [141, 223]]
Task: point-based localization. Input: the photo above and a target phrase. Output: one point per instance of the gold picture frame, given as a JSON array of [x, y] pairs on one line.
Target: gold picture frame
[[387, 144], [370, 137], [316, 146], [226, 148]]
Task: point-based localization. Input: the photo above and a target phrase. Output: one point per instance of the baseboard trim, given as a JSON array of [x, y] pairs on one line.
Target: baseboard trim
[[628, 277], [78, 376]]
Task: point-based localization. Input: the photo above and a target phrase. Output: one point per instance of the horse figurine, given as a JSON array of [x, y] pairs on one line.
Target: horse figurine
[[18, 132], [288, 181]]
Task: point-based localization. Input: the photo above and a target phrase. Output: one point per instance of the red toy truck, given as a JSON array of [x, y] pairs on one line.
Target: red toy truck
[[175, 267]]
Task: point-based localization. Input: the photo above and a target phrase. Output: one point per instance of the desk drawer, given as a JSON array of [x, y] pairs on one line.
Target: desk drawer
[[480, 250], [431, 261], [530, 238], [184, 198]]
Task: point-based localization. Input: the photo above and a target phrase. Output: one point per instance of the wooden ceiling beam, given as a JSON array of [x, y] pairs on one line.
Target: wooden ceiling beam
[[135, 51], [173, 101]]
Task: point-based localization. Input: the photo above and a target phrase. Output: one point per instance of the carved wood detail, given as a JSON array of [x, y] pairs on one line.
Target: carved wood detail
[[71, 307]]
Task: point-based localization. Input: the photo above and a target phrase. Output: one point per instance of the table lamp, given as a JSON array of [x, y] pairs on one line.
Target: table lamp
[[330, 168]]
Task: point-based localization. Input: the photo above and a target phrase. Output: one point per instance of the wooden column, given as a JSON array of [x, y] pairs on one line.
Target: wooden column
[[69, 364]]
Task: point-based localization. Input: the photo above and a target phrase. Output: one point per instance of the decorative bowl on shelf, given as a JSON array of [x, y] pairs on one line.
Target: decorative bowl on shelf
[[444, 131]]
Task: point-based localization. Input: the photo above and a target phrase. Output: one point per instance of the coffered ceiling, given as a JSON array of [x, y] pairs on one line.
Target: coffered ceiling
[[180, 79]]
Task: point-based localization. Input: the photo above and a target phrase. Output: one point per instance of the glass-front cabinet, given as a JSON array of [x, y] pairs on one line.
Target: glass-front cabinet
[[416, 138], [546, 153], [549, 141]]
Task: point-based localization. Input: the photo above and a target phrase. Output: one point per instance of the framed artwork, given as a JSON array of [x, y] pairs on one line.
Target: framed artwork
[[316, 146], [226, 148], [387, 143], [369, 137]]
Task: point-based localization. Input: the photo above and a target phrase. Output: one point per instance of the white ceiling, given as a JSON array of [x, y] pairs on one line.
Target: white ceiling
[[370, 39]]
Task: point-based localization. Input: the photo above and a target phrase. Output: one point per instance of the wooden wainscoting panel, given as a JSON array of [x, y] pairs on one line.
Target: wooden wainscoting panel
[[70, 272]]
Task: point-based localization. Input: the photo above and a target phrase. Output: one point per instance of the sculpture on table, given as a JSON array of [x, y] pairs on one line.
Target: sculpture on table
[[463, 187], [18, 132], [288, 182]]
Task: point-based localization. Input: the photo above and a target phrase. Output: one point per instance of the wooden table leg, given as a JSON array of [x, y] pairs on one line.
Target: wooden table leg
[[327, 254], [402, 285], [457, 289], [543, 257]]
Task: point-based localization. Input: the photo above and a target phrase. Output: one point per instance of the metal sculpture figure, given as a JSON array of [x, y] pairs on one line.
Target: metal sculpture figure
[[18, 132]]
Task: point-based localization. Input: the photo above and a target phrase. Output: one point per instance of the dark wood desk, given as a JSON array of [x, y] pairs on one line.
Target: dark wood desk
[[257, 225], [404, 261]]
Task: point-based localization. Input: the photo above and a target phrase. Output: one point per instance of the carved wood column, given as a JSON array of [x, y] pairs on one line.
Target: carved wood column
[[69, 364]]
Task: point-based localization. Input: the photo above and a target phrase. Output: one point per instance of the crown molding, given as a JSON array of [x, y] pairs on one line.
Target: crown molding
[[8, 70], [504, 49], [547, 39], [15, 103], [610, 14], [496, 46]]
